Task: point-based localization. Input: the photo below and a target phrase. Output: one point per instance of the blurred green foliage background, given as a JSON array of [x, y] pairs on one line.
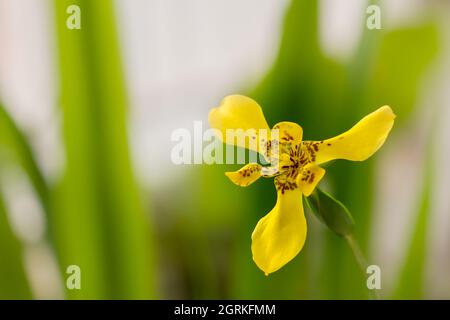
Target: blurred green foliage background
[[99, 217]]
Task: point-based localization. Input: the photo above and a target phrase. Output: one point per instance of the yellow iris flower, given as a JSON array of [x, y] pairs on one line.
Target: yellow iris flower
[[280, 235]]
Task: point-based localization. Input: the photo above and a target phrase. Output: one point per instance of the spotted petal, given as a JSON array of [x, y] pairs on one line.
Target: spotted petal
[[358, 143], [289, 131], [246, 175], [280, 235], [309, 178]]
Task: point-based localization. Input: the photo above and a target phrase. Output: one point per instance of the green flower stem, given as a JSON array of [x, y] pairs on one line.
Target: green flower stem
[[360, 259]]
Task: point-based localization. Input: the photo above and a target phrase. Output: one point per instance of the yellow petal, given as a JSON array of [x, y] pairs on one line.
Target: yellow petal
[[279, 236], [246, 175], [286, 138], [289, 131], [308, 179], [358, 143], [240, 113]]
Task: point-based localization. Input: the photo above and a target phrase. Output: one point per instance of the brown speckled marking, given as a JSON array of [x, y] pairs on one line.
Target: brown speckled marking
[[283, 184], [300, 155], [310, 149], [287, 136], [248, 171]]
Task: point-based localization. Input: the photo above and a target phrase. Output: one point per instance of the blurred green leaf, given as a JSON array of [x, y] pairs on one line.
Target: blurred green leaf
[[13, 280], [411, 276], [100, 220], [15, 149], [401, 61], [410, 284]]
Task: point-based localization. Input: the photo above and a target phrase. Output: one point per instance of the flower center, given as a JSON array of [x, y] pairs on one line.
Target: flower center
[[293, 159]]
